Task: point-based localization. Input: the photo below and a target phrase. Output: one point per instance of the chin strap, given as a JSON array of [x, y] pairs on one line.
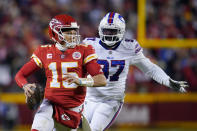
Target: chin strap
[[60, 47]]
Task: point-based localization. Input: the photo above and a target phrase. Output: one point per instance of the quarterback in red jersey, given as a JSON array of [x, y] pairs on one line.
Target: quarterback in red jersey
[[66, 65]]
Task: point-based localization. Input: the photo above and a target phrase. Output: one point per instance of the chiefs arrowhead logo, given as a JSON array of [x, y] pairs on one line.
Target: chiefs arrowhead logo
[[65, 117]]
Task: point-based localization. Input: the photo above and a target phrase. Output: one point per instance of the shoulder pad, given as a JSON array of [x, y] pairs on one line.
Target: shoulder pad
[[90, 40], [132, 44], [44, 46], [129, 43], [84, 44], [129, 40]]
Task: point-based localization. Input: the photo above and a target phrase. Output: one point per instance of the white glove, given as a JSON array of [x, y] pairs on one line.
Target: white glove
[[178, 85]]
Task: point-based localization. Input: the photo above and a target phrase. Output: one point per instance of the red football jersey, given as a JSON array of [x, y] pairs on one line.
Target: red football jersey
[[56, 64]]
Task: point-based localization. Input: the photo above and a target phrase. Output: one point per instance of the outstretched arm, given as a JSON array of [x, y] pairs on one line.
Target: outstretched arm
[[156, 73]]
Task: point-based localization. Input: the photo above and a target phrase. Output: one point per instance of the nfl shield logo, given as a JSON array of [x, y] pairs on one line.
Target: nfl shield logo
[[62, 56]]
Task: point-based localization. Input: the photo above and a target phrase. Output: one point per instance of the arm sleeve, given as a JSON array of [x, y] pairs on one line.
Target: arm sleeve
[[151, 69], [29, 68], [93, 68]]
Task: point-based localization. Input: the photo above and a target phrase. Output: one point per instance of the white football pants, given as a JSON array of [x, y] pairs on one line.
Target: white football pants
[[100, 115], [43, 120]]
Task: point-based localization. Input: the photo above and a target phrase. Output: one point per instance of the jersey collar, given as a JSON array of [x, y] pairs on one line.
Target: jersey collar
[[60, 47], [108, 47]]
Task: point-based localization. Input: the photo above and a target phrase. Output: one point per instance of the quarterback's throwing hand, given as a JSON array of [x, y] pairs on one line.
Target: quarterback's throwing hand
[[29, 89], [34, 94], [178, 85]]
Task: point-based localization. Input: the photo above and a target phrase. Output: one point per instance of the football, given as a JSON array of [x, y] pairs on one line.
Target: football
[[35, 100]]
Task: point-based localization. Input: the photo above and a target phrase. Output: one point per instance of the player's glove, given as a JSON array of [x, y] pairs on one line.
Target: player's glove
[[178, 85], [34, 98]]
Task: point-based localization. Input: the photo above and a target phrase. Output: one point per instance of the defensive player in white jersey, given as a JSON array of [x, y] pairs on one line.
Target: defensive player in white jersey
[[115, 55]]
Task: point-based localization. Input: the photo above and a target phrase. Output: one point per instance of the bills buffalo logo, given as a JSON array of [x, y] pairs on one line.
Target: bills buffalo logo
[[76, 55], [121, 18]]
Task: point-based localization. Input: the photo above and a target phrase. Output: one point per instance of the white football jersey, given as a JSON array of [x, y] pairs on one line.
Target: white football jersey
[[115, 63]]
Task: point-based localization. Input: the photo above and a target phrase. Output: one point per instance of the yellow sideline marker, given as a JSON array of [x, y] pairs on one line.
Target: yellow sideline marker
[[19, 98]]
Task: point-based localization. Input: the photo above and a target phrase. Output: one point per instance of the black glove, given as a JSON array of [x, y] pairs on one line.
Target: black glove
[[178, 85]]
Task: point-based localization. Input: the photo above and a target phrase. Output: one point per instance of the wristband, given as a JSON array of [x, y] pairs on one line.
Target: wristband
[[86, 82]]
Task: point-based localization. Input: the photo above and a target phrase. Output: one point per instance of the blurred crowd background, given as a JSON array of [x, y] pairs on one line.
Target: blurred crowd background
[[24, 25]]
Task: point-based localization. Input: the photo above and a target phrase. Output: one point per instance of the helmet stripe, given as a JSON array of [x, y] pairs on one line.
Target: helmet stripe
[[111, 17]]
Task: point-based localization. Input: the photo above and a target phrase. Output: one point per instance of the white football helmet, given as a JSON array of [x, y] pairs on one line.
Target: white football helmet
[[111, 28]]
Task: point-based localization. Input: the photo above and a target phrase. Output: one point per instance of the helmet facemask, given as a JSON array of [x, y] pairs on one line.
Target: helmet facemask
[[110, 36], [70, 36]]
